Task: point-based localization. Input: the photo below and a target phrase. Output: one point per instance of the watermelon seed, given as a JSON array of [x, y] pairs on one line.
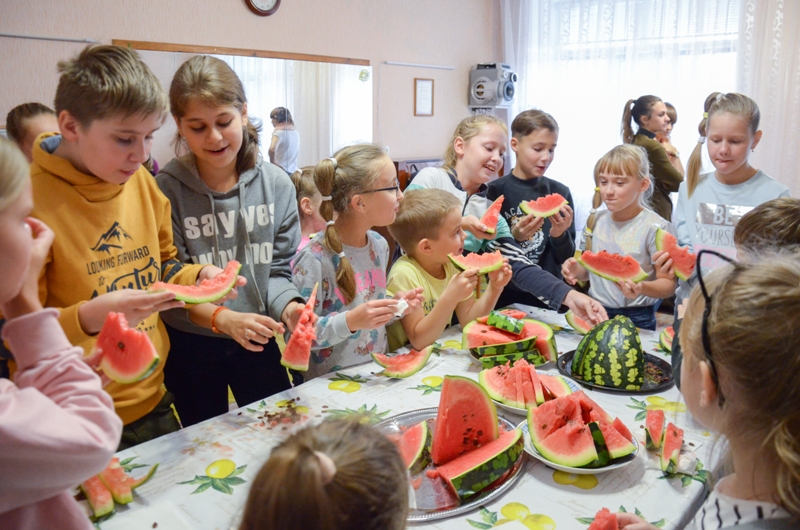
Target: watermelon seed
[[121, 346]]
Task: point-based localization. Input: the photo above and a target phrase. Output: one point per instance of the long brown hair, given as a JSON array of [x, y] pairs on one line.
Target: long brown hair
[[754, 334], [214, 83], [466, 130], [352, 170], [18, 116], [634, 110], [717, 103], [369, 489]]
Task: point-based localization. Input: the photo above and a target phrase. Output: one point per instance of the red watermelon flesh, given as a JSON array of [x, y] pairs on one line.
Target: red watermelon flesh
[[577, 323], [683, 261], [544, 206], [414, 446], [465, 421], [654, 428], [555, 385], [537, 384], [612, 267], [99, 497], [618, 446], [297, 353], [477, 335], [513, 313], [587, 405], [209, 290], [485, 263], [117, 482], [604, 520], [666, 337], [671, 449], [623, 430], [495, 381], [571, 445], [405, 364], [518, 384], [551, 416], [126, 354], [545, 338], [527, 385], [492, 215]]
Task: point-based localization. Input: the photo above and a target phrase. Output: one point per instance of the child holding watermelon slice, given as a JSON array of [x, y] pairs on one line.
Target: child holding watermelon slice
[[348, 260], [57, 425], [627, 231], [472, 159], [740, 339]]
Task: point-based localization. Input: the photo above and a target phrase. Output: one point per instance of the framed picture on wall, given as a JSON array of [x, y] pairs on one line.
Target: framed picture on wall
[[423, 97]]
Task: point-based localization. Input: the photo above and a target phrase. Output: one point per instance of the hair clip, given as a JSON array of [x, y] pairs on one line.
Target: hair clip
[[330, 223], [701, 140], [334, 162], [327, 198], [705, 115], [341, 254], [326, 467]]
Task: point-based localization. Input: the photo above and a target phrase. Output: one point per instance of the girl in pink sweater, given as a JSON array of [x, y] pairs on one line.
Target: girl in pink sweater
[[57, 425]]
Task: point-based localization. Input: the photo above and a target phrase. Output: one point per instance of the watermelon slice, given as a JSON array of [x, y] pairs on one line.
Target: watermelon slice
[[537, 384], [683, 261], [551, 416], [544, 206], [415, 446], [209, 290], [485, 263], [577, 323], [572, 445], [126, 354], [493, 380], [623, 430], [471, 473], [528, 390], [466, 420], [513, 313], [587, 405], [612, 267], [666, 337], [498, 320], [545, 338], [618, 446], [117, 482], [654, 428], [603, 455], [671, 448], [492, 215], [484, 340], [604, 520], [297, 353], [405, 364], [99, 497], [555, 385]]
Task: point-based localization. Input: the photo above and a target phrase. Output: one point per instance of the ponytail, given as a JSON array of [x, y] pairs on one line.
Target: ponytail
[[591, 221], [634, 110], [627, 130]]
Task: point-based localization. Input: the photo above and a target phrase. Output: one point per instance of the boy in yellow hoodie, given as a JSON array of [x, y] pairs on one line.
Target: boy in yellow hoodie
[[113, 225]]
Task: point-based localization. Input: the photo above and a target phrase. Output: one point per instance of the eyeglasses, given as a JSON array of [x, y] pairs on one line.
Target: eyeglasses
[[707, 313], [395, 188]]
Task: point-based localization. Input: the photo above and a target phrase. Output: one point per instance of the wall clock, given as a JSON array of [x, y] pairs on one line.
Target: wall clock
[[263, 8]]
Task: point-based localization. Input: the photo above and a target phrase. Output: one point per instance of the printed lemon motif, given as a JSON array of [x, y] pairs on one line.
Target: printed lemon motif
[[537, 521], [659, 403], [221, 468], [289, 403], [432, 380], [346, 383], [514, 511], [454, 344], [585, 482]]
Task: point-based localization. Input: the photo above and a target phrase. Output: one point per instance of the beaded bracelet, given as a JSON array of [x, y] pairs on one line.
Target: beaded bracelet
[[214, 317]]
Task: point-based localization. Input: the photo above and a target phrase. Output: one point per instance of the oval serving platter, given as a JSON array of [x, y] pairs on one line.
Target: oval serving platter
[[657, 377]]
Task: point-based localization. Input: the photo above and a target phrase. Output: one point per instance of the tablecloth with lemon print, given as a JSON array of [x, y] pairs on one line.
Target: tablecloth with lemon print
[[205, 471]]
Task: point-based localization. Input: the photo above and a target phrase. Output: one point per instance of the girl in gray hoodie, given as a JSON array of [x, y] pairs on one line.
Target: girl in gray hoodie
[[227, 203]]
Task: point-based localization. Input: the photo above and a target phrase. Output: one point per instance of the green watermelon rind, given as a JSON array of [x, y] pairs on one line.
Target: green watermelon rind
[[617, 365], [504, 322], [497, 204], [526, 207], [665, 339], [385, 362], [573, 322], [117, 482], [494, 393], [532, 356], [144, 479], [669, 461], [603, 456], [477, 478], [639, 277], [203, 295], [117, 327], [422, 455], [522, 345], [652, 441], [573, 460], [461, 263], [660, 245], [99, 510]]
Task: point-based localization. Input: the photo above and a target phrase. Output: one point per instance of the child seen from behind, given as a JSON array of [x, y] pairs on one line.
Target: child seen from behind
[[24, 123], [428, 228], [627, 227], [309, 200]]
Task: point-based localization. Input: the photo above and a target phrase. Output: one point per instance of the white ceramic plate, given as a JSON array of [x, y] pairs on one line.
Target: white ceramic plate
[[619, 464]]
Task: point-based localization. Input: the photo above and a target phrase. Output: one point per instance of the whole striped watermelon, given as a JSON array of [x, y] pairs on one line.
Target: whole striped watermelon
[[611, 355]]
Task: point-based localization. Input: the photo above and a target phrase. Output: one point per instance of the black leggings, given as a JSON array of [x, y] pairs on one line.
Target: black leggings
[[200, 369]]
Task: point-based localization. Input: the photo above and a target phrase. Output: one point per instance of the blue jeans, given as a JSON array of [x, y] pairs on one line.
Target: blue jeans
[[642, 317]]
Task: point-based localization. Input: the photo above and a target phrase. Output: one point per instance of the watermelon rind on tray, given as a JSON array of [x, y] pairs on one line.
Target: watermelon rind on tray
[[484, 340], [492, 215], [612, 267], [297, 353], [403, 365], [126, 355], [473, 472], [611, 355], [208, 290], [683, 260], [485, 263], [666, 337], [415, 447], [545, 206]]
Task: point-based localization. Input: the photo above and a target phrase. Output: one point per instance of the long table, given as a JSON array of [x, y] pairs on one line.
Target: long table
[[205, 471]]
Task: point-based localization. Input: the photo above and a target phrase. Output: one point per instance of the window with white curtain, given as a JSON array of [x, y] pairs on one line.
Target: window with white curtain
[[581, 60]]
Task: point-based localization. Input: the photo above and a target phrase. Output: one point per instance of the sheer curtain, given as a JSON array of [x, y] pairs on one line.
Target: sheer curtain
[[581, 60], [769, 72]]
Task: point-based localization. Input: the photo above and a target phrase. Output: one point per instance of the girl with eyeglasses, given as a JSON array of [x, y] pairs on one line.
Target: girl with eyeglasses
[[348, 260], [740, 339]]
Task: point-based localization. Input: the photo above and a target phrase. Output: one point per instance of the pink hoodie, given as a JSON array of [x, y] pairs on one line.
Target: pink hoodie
[[57, 427]]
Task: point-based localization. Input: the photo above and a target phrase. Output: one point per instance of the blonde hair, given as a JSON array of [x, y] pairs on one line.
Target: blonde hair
[[214, 83], [634, 110], [773, 225], [754, 335], [105, 81], [355, 170], [303, 180], [421, 214], [466, 130], [625, 159], [717, 103], [369, 489], [14, 172]]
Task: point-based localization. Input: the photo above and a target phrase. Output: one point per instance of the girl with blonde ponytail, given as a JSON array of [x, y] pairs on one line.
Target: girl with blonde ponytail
[[740, 338], [711, 204], [359, 190]]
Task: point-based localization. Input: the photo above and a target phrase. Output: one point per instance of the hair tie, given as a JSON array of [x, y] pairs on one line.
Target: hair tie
[[597, 189], [330, 223], [334, 162], [326, 467], [593, 210], [705, 115], [341, 254], [326, 198], [701, 140]]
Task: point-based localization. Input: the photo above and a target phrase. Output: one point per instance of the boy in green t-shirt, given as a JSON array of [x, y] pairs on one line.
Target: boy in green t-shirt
[[428, 228]]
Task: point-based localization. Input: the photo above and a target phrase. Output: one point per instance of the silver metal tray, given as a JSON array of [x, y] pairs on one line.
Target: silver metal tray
[[395, 424]]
